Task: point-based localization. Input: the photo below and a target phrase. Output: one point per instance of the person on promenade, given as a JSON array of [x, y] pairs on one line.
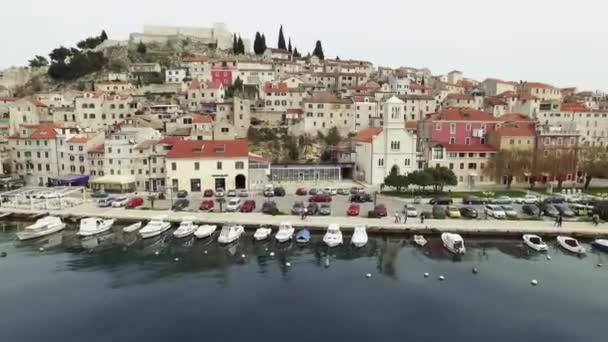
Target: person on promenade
[[596, 220], [397, 218], [556, 222], [422, 218], [560, 219], [303, 214], [405, 218]]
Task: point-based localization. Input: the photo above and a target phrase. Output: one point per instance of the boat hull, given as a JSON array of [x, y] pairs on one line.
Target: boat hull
[[105, 228], [448, 244], [203, 233], [146, 234], [537, 247], [600, 245], [578, 249], [25, 235]]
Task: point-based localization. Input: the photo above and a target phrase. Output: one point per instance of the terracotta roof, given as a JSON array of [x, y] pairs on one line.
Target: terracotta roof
[[470, 148], [367, 135], [361, 99], [574, 107], [494, 101], [295, 110], [78, 140], [170, 140], [514, 117], [538, 85], [508, 93], [194, 85], [281, 87], [416, 86], [327, 98], [460, 97], [259, 158], [214, 149], [465, 84], [462, 114], [44, 132], [214, 85], [411, 125], [7, 99], [201, 118], [516, 130]]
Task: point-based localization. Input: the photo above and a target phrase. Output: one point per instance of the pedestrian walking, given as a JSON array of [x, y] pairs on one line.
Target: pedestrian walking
[[405, 218], [396, 217], [303, 214], [560, 219], [556, 221], [422, 218], [596, 219]]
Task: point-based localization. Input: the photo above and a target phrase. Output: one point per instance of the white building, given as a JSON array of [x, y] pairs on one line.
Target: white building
[[204, 92], [175, 75]]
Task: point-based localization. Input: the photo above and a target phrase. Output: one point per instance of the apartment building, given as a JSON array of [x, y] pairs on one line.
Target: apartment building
[[324, 111], [204, 92]]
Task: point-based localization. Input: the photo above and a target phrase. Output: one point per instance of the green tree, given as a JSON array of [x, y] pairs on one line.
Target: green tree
[[421, 178], [235, 89], [141, 48], [281, 44], [510, 164], [593, 162], [289, 48], [333, 136], [263, 44], [235, 44], [318, 51], [293, 151], [396, 180], [442, 177], [257, 44], [38, 61], [296, 54], [241, 46], [104, 35]]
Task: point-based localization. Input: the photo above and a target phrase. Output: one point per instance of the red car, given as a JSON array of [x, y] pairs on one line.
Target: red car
[[208, 193], [353, 210], [207, 205], [301, 192], [135, 202], [248, 206], [380, 210], [320, 199]]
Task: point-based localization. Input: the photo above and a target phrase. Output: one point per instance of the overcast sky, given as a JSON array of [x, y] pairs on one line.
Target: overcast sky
[[562, 42]]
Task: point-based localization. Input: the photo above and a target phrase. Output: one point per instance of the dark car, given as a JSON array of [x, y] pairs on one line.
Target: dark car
[[208, 193], [248, 206], [355, 190], [361, 198], [564, 210], [279, 192], [312, 209], [182, 194], [297, 208], [530, 209], [207, 205], [301, 192], [473, 200], [320, 199], [380, 210], [469, 212], [180, 204], [325, 209], [269, 207], [554, 200], [442, 201], [313, 192], [549, 210]]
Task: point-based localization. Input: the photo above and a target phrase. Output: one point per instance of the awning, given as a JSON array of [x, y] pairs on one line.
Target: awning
[[114, 179], [473, 174], [70, 180]]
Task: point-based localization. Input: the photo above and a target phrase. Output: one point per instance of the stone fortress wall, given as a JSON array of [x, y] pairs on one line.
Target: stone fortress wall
[[161, 34]]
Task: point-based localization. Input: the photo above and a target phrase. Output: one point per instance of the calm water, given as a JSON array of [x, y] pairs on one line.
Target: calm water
[[116, 289]]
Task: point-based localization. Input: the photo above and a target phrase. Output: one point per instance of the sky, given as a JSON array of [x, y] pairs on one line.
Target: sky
[[562, 42]]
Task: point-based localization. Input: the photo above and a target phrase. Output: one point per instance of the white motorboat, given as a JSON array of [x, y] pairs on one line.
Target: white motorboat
[[359, 238], [262, 233], [601, 244], [155, 227], [571, 245], [420, 240], [132, 228], [535, 242], [186, 228], [453, 242], [94, 225], [333, 236], [285, 232], [230, 234], [205, 231], [44, 226]]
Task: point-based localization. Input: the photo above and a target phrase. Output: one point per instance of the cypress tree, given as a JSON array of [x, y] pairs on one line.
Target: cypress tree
[[264, 46], [289, 47], [235, 44], [257, 44], [281, 44], [103, 35], [319, 50], [296, 53], [241, 46]]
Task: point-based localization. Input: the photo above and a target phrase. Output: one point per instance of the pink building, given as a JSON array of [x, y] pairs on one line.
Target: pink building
[[458, 126], [222, 75]]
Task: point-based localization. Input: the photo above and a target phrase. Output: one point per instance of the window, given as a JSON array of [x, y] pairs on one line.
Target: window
[[451, 166], [437, 153], [219, 165], [462, 166], [472, 166], [407, 162], [195, 185], [512, 141], [239, 165], [174, 166], [438, 127], [452, 128], [381, 162], [395, 145], [468, 127], [452, 140], [467, 141], [197, 166]]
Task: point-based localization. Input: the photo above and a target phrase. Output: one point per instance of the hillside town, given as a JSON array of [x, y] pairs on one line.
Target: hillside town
[[203, 108]]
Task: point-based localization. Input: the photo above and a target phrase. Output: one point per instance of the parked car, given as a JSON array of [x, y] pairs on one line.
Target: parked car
[[120, 202], [380, 210], [438, 211], [231, 193], [473, 200], [353, 210], [343, 192], [501, 200], [297, 208], [269, 207], [361, 198], [248, 206], [581, 209], [300, 192], [355, 190], [564, 210], [279, 191], [219, 192], [453, 212], [325, 209], [207, 205], [585, 200], [510, 212], [268, 191], [312, 209], [100, 194], [549, 210], [531, 209], [48, 195], [182, 194], [243, 193], [234, 204], [495, 211], [106, 202], [410, 210], [208, 193], [313, 191], [332, 191], [320, 198], [555, 199], [180, 204], [135, 202], [417, 200], [442, 200], [527, 199], [469, 212]]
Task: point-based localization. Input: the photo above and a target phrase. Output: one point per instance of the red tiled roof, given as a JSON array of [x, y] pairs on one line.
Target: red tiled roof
[[37, 103], [201, 118], [411, 125], [78, 140], [470, 148], [462, 114], [295, 110], [214, 85], [520, 130], [465, 84], [538, 85], [44, 132], [416, 86], [368, 134], [495, 101], [506, 94], [209, 149], [7, 99], [194, 85], [574, 107], [460, 97], [259, 158], [514, 117], [281, 87]]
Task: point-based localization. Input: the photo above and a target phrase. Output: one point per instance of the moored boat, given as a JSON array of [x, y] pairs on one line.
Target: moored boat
[[132, 228], [44, 226], [155, 227], [600, 244], [94, 225], [205, 231], [262, 233], [454, 243], [303, 236], [186, 228], [285, 232], [230, 234], [333, 236], [571, 245], [535, 242], [359, 238], [420, 240]]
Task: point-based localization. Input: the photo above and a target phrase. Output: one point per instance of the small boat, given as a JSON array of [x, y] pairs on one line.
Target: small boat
[[205, 231], [571, 245], [303, 236], [359, 238], [132, 228], [230, 234], [262, 233], [600, 244], [420, 240], [535, 242], [94, 225], [155, 227], [44, 226], [333, 236], [453, 242], [186, 228], [285, 232]]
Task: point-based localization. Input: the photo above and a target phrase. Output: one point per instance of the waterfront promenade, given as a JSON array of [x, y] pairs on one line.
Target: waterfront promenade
[[386, 225]]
